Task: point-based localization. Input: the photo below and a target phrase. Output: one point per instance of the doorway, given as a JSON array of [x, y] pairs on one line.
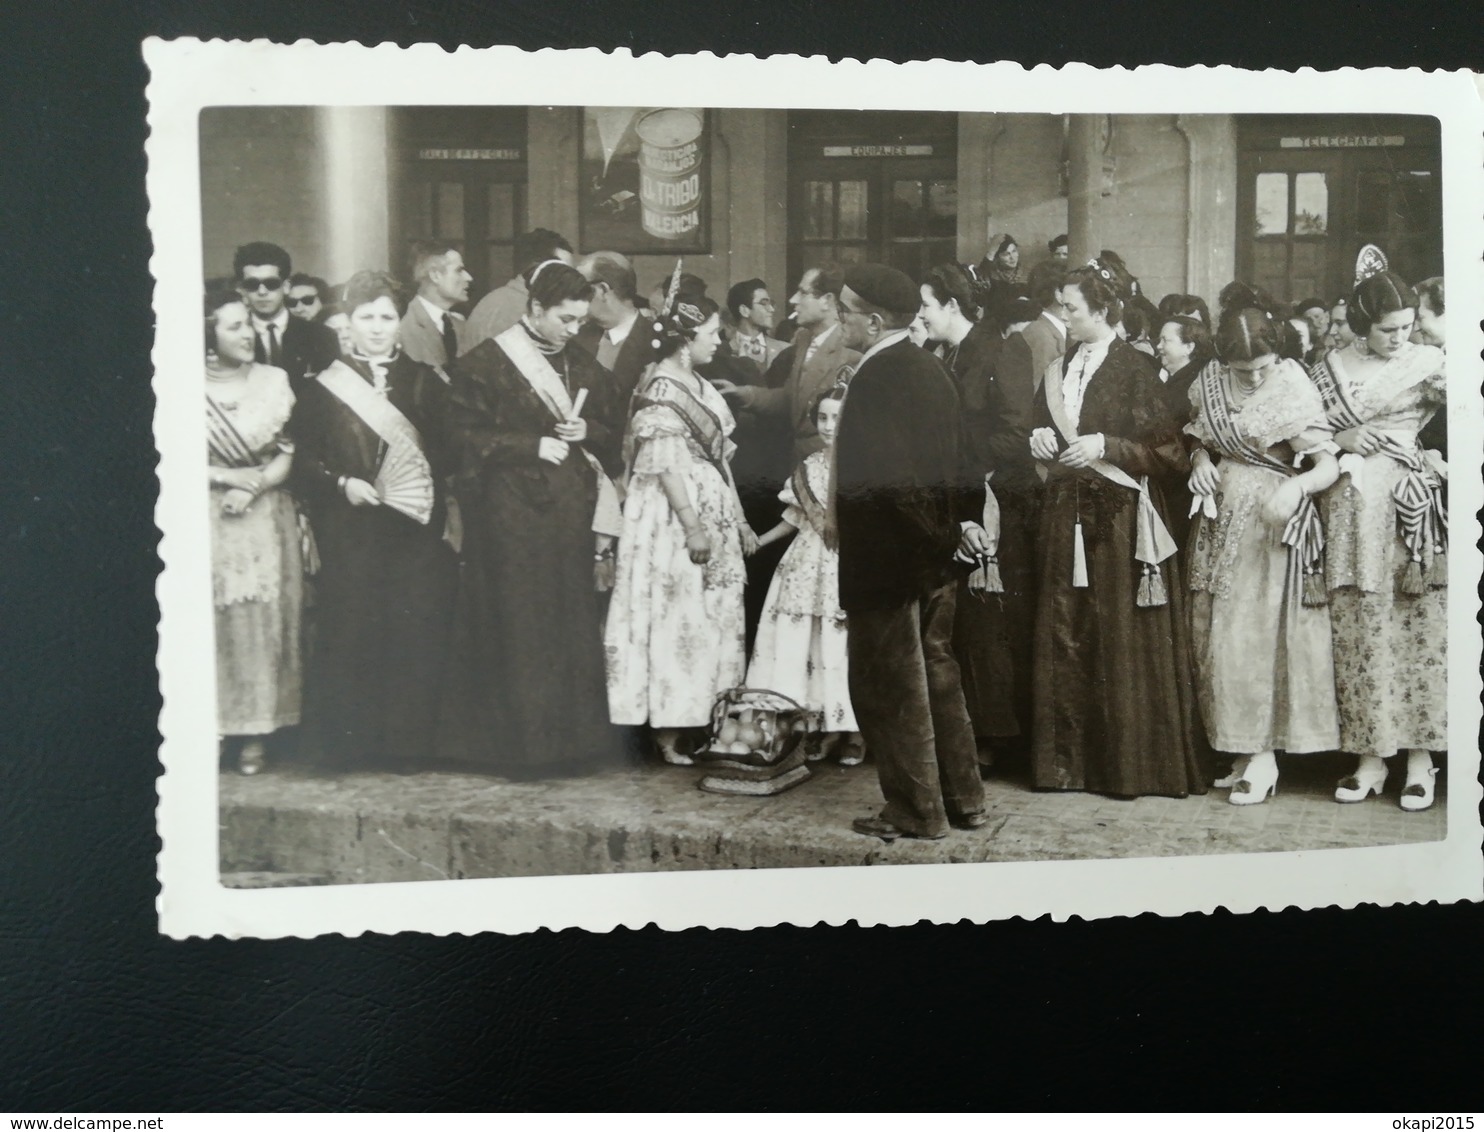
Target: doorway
[[872, 187], [1312, 192]]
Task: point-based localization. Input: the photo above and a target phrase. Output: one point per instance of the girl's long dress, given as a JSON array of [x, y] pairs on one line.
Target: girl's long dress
[[1115, 698], [1264, 671], [526, 685], [384, 593], [675, 636], [1390, 647], [257, 575], [801, 640]]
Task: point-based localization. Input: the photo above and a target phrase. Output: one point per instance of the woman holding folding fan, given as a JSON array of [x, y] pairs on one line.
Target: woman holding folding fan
[[370, 467]]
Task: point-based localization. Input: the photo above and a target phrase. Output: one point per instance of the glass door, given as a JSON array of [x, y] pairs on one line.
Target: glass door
[[476, 211], [881, 210]]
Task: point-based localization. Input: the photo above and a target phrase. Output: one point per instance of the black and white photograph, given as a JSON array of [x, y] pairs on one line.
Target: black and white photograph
[[609, 514]]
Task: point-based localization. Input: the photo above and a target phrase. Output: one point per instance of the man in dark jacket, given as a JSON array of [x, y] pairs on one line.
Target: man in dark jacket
[[903, 507], [301, 349], [615, 332]]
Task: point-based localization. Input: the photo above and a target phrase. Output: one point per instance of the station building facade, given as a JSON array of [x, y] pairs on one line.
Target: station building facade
[[1189, 201]]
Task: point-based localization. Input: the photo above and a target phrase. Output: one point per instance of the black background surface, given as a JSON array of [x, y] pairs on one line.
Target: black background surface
[[1369, 1008]]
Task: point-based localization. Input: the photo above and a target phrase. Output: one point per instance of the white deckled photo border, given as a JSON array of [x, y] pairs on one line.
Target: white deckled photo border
[[189, 75]]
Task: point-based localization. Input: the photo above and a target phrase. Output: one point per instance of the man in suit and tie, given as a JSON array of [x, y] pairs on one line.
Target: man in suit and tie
[[613, 333], [751, 308], [432, 332], [1025, 355], [903, 508], [811, 364], [503, 307], [299, 348]]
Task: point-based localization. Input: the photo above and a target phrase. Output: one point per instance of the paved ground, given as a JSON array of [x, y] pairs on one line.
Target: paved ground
[[290, 826]]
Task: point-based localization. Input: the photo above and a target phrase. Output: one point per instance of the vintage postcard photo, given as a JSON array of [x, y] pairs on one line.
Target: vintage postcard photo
[[871, 491]]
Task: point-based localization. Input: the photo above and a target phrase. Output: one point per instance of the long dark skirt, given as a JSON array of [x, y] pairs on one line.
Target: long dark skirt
[[384, 596], [527, 692], [1115, 693], [993, 634]]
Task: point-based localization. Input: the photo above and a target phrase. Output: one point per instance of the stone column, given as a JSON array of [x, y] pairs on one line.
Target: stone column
[[1211, 244], [976, 134], [552, 140], [356, 201], [1086, 155]]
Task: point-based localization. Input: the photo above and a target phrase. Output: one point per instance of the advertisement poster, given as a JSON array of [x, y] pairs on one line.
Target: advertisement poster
[[646, 179]]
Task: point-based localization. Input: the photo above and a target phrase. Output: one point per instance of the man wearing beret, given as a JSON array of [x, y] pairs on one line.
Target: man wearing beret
[[903, 505]]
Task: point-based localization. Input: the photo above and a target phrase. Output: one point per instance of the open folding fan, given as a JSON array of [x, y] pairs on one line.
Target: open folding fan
[[404, 483]]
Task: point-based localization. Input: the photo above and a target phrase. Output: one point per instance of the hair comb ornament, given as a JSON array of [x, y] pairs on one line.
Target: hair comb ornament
[[1370, 261], [674, 289], [1097, 266]]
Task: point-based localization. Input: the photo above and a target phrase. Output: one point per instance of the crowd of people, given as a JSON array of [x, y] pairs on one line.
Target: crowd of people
[[986, 513]]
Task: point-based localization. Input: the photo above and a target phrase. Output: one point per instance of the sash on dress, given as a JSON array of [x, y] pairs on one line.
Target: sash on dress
[[404, 455], [544, 382], [702, 424], [1152, 540], [224, 444], [1303, 534], [1421, 510]]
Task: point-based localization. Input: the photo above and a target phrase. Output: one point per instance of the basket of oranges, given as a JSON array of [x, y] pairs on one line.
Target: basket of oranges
[[755, 745]]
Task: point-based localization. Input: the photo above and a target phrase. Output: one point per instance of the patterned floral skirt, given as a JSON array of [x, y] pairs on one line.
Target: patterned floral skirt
[[1391, 670], [675, 639]]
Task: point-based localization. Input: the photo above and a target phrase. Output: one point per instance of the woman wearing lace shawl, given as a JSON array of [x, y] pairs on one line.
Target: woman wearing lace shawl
[[1257, 588]]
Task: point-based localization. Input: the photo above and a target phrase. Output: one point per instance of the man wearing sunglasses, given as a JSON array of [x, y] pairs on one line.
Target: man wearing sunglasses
[[301, 349]]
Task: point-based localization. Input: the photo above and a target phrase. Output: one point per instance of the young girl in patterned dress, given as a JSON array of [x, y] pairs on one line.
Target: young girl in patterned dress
[[800, 647]]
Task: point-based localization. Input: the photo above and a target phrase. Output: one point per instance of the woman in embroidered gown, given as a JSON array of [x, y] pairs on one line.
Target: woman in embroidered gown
[[675, 636], [992, 632], [1256, 581], [257, 573], [1387, 544], [370, 468], [533, 421], [1114, 708], [801, 643]]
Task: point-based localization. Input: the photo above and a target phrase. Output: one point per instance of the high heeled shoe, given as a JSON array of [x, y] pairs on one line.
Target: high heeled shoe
[[1239, 765], [1258, 783], [1419, 792], [1368, 779], [251, 761]]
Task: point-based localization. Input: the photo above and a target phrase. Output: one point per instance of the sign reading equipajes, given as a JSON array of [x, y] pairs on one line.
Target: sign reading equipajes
[[645, 179]]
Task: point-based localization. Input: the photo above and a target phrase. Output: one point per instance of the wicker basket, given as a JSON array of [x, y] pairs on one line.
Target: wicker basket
[[755, 745]]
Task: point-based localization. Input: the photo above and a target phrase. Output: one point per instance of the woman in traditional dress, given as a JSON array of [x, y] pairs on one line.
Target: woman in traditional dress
[[371, 466], [1386, 527], [1259, 622], [675, 636], [534, 425], [993, 627], [1114, 709], [257, 573], [801, 648]]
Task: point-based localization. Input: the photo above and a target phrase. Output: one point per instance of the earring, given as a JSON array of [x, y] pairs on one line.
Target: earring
[[686, 355], [211, 356]]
